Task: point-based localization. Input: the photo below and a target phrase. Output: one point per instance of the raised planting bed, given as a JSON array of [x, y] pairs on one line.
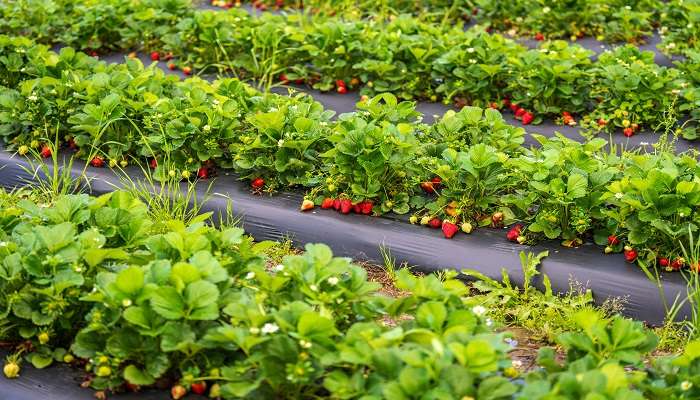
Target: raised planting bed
[[362, 238]]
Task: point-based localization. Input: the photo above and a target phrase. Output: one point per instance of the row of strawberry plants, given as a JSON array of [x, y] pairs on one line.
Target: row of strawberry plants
[[612, 21], [623, 90], [468, 169], [90, 282]]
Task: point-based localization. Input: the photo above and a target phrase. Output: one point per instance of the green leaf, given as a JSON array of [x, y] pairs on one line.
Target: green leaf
[[130, 280], [137, 377], [168, 303]]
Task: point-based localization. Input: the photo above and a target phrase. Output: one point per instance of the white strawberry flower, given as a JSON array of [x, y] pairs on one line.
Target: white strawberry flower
[[313, 288], [470, 50], [479, 310], [333, 281], [619, 195], [545, 10], [685, 385], [279, 267], [269, 328], [250, 275]]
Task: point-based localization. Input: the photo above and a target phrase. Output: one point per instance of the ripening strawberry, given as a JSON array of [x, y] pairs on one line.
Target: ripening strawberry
[[513, 107], [449, 229], [506, 102], [187, 70], [539, 36], [257, 183], [630, 255], [327, 203], [613, 240], [169, 56], [497, 218], [45, 151], [677, 264], [435, 223], [527, 118], [602, 122], [307, 205], [11, 370], [520, 112], [172, 66], [427, 187], [629, 132], [342, 89], [155, 56], [467, 227], [663, 262], [153, 163], [178, 392]]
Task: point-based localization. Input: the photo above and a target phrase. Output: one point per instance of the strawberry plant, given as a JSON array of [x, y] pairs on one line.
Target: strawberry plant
[[473, 125], [374, 154], [475, 68], [630, 91], [566, 187], [283, 142], [680, 26], [654, 204], [474, 180], [690, 94], [551, 79]]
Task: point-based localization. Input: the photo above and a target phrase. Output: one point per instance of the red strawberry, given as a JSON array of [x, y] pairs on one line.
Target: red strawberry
[[327, 203], [72, 145], [178, 392], [279, 3], [601, 122], [449, 229], [435, 223], [539, 37], [155, 56], [629, 132], [663, 261], [45, 151], [630, 255], [299, 81], [336, 204], [520, 112], [506, 102], [172, 66], [203, 173], [357, 208], [283, 79], [199, 387], [153, 163], [340, 83], [345, 206], [436, 181], [342, 89], [566, 114], [513, 107], [514, 233], [187, 70], [257, 183], [97, 162], [527, 118], [613, 240], [367, 207]]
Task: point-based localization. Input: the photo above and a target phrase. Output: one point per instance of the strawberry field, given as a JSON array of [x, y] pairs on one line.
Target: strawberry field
[[156, 155]]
